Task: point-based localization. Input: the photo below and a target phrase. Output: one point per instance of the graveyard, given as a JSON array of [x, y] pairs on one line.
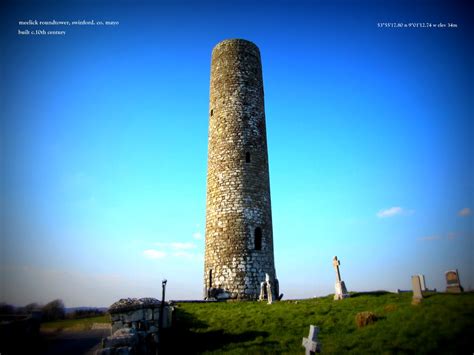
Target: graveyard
[[403, 321], [442, 323]]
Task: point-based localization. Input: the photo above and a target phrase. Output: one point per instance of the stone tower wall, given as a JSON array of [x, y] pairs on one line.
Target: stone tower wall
[[238, 187]]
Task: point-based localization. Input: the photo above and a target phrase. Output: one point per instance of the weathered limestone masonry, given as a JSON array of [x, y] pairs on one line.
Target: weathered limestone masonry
[[135, 326], [239, 236]]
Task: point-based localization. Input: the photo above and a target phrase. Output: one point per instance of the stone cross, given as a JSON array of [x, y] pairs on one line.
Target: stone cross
[[417, 294], [311, 343], [341, 291], [336, 264]]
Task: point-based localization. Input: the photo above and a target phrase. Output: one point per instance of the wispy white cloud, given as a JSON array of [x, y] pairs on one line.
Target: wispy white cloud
[[466, 211], [197, 235], [175, 249], [449, 236], [176, 245], [188, 245], [394, 211], [154, 254], [188, 255]]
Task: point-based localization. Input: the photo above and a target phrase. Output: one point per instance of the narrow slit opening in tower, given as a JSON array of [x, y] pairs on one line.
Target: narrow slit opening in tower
[[210, 278], [212, 112], [258, 238], [247, 157]]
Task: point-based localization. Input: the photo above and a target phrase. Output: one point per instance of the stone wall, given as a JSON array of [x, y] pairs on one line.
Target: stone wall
[[239, 236], [135, 326]]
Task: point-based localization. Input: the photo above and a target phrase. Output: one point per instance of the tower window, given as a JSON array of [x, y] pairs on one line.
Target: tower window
[[212, 112], [258, 238], [247, 157]]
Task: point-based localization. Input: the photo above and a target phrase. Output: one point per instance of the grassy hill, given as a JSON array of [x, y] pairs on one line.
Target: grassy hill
[[75, 324], [442, 323]]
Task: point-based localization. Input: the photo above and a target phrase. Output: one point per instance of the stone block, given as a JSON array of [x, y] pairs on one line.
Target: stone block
[[136, 316], [122, 340], [223, 296], [116, 326], [124, 332]]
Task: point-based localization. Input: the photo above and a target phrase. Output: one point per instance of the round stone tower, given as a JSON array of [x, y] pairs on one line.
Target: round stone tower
[[239, 236]]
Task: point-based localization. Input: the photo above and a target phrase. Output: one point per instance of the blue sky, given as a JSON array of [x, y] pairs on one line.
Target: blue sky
[[104, 146]]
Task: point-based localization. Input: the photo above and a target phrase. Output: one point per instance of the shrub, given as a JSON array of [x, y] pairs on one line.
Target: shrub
[[390, 307], [86, 313], [365, 318], [54, 310]]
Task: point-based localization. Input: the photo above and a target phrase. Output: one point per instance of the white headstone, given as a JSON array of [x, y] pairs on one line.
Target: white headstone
[[269, 289], [422, 282]]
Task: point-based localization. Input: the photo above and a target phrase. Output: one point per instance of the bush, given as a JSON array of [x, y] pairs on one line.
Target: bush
[[86, 313], [365, 318], [54, 310], [29, 308]]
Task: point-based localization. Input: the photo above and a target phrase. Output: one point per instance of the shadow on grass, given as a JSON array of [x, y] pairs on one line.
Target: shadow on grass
[[370, 293], [188, 335]]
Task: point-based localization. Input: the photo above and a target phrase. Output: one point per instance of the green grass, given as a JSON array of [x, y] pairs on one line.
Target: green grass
[[443, 323], [76, 324]]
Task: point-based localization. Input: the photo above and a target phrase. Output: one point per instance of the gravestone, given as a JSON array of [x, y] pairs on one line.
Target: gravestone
[[269, 290], [422, 282], [263, 291], [311, 343], [453, 284], [417, 293], [341, 291]]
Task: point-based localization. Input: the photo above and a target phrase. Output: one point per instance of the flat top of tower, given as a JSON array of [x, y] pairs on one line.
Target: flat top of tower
[[236, 44]]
